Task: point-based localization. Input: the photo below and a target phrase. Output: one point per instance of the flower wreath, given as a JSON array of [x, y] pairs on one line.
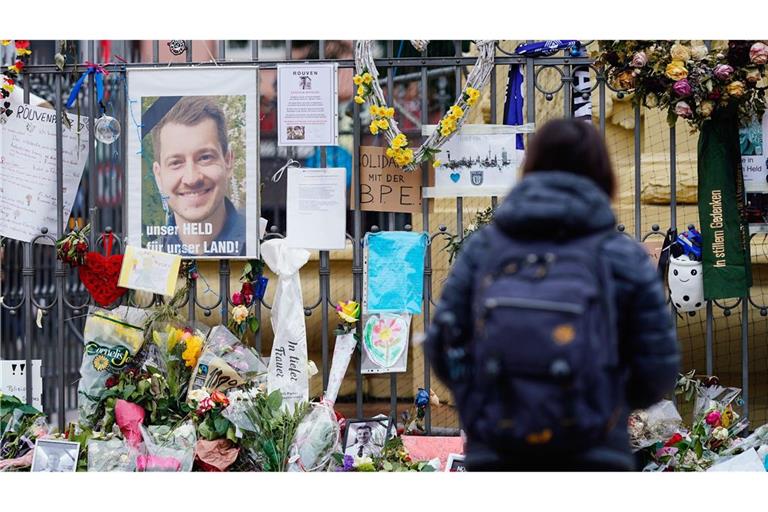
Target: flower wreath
[[688, 81], [382, 115], [11, 74]]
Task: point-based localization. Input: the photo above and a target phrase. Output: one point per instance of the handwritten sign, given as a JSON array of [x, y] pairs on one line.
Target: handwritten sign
[[28, 170], [384, 187], [13, 380]]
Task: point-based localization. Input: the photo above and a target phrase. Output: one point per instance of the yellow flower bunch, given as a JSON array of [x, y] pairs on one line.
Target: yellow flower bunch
[[399, 151], [471, 96], [364, 89], [450, 122], [380, 118], [193, 349]]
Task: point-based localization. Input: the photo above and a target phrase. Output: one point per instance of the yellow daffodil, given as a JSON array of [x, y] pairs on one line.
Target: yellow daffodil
[[359, 100], [374, 110], [390, 152], [374, 128], [367, 78], [383, 124], [348, 311], [437, 163], [360, 90], [357, 79], [445, 132], [390, 112], [456, 111]]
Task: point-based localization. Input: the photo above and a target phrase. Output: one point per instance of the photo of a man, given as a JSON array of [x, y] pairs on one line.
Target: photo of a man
[[366, 438], [193, 161], [53, 456], [192, 167]]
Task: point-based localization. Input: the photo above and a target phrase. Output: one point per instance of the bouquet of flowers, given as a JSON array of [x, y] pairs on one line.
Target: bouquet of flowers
[[167, 448], [107, 453], [211, 423], [454, 242], [687, 80], [177, 349], [20, 426], [112, 339], [267, 429]]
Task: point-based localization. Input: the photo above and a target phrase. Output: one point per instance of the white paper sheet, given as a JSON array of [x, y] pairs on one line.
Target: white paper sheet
[[308, 100], [316, 208], [13, 380], [28, 170]]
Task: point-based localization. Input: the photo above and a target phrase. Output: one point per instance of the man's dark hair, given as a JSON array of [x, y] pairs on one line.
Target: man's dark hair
[[571, 145], [364, 425], [191, 111]]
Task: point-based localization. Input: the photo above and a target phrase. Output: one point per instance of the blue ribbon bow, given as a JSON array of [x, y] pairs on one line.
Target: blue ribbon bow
[[98, 72]]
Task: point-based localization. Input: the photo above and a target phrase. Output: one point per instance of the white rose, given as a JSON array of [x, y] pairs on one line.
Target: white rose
[[720, 433], [198, 395]]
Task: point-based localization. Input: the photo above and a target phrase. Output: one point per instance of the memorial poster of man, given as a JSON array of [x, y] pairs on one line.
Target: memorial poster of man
[[192, 175]]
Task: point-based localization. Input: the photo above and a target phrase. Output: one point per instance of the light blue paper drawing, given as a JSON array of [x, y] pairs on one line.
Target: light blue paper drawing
[[395, 271]]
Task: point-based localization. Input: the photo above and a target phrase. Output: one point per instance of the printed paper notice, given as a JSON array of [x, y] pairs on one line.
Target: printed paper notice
[[316, 208], [149, 271], [28, 170], [307, 103]]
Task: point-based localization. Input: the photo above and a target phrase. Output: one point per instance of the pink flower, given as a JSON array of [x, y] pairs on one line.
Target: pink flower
[[683, 109], [205, 405], [713, 419], [682, 88], [758, 54], [723, 71], [639, 60]]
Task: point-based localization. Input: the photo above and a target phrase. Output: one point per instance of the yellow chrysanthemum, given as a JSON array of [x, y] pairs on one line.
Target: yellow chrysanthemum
[[357, 79], [383, 124], [359, 100]]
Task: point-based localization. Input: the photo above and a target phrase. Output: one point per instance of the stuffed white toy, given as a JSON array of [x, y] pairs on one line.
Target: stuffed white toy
[[686, 283]]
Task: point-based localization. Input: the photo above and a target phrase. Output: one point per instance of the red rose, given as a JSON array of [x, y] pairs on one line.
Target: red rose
[[111, 381], [82, 246], [714, 95], [673, 440]]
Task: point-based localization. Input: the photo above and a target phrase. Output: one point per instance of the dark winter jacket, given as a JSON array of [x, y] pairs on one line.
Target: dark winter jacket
[[564, 205]]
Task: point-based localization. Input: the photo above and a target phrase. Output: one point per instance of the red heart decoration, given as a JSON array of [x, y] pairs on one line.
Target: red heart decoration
[[100, 274]]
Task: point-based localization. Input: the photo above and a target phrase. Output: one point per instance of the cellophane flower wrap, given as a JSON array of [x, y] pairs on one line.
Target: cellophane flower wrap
[[20, 426], [112, 339], [654, 424], [111, 455], [167, 448], [226, 363], [318, 436]]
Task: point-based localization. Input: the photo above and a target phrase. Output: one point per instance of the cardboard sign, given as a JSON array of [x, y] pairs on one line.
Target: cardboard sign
[[13, 380], [384, 187], [653, 248]]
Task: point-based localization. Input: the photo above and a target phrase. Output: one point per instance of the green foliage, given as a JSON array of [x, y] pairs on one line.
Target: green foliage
[[454, 242]]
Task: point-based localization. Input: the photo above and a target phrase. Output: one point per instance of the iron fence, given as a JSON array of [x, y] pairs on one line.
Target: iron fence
[[33, 280]]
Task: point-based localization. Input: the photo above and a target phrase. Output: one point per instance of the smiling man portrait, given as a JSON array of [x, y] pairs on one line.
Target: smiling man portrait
[[192, 166]]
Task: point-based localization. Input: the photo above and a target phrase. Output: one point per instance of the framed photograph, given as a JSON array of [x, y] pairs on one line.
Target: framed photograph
[[455, 463], [192, 178], [366, 437], [54, 456]]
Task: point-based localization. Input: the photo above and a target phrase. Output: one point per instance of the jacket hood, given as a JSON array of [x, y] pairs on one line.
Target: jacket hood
[[555, 204]]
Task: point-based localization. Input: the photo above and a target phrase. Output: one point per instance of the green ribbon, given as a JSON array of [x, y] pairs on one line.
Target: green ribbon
[[724, 230]]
